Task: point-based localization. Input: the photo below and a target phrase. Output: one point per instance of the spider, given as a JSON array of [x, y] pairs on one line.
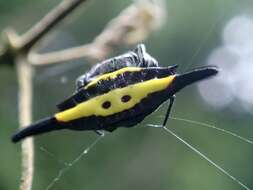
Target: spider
[[118, 92]]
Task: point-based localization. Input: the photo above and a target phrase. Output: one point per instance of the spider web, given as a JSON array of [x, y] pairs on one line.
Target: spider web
[[68, 165], [202, 155], [199, 153]]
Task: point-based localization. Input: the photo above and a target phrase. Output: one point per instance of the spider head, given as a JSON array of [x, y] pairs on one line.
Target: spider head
[[145, 59]]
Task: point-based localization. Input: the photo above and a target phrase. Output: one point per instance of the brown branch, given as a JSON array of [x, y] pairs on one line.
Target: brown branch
[[48, 22], [132, 25], [15, 50], [27, 40], [24, 72]]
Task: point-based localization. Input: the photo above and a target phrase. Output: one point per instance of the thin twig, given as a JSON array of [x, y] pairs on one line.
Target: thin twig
[[17, 48], [50, 20], [24, 71], [131, 26]]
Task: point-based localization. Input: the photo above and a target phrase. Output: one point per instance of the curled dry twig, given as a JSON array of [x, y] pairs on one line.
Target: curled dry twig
[[17, 47], [132, 25]]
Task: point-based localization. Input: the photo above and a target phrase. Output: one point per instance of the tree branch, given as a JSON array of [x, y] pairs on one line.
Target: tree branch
[[132, 25], [48, 22], [26, 41], [15, 50], [24, 72]]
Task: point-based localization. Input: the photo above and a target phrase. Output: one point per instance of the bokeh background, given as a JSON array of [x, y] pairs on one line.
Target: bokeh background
[[195, 33]]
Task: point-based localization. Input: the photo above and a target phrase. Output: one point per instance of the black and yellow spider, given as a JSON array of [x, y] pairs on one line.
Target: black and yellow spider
[[119, 92]]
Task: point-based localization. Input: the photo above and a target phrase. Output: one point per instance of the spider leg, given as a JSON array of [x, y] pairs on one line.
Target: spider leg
[[102, 132], [172, 98], [111, 128], [99, 132]]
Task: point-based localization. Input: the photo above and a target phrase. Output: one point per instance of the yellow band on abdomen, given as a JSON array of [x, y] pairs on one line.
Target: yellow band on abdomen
[[94, 106]]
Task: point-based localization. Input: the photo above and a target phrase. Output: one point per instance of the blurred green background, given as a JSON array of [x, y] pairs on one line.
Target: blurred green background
[[141, 157]]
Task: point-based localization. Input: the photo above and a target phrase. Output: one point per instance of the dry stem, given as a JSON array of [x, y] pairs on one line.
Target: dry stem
[[131, 26], [18, 47], [24, 72], [50, 20]]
